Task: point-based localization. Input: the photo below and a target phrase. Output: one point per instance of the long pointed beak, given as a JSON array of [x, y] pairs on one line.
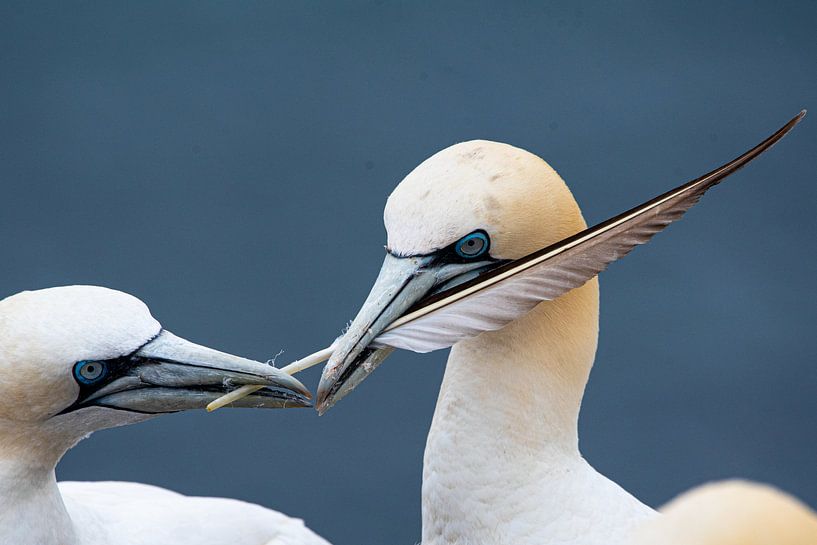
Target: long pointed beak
[[172, 374], [402, 282]]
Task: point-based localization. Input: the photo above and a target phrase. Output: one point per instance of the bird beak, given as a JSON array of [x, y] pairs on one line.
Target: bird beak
[[170, 374], [402, 283]]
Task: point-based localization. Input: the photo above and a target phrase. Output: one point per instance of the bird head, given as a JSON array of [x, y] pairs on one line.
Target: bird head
[[511, 195], [465, 211], [82, 358]]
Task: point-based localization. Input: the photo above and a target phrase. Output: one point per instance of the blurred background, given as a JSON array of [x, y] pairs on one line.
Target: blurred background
[[228, 163]]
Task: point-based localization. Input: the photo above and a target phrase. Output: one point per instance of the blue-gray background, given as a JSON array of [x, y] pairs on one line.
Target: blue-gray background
[[228, 164]]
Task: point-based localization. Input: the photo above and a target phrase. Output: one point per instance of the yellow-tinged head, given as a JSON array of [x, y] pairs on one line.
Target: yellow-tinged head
[[462, 213], [511, 194]]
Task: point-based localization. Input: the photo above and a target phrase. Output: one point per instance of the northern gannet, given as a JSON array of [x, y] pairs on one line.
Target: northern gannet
[[78, 359], [488, 252]]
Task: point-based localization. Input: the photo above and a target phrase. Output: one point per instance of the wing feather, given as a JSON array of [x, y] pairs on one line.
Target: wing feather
[[502, 295]]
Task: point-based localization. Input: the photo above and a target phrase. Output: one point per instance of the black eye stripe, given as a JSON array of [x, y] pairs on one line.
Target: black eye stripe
[[454, 252], [115, 368], [91, 375]]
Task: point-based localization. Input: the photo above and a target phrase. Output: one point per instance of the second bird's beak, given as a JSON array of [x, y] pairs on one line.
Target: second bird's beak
[[402, 283], [171, 374]]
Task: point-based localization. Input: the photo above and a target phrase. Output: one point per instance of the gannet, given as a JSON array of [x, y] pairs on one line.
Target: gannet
[[488, 252], [78, 359], [731, 513]]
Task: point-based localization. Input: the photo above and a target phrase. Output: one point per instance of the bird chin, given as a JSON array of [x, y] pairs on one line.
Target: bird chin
[[86, 420]]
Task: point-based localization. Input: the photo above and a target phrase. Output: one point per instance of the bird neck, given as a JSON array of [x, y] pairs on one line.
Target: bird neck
[[502, 459], [523, 385], [31, 507]]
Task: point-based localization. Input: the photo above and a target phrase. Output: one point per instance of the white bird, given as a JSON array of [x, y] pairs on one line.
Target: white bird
[[488, 251], [78, 359]]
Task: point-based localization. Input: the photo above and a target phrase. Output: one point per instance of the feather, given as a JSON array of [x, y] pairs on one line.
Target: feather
[[498, 297]]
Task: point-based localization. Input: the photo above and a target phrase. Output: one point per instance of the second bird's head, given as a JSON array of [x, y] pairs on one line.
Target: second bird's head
[[77, 359]]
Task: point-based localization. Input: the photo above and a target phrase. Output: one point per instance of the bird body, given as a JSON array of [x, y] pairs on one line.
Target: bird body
[[35, 509], [122, 513], [78, 359], [488, 253]]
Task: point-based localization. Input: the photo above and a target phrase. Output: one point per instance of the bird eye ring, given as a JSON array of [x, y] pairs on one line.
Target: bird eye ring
[[473, 245], [90, 371]]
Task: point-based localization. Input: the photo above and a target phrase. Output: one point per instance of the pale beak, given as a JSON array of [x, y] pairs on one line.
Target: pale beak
[[170, 374], [402, 282]]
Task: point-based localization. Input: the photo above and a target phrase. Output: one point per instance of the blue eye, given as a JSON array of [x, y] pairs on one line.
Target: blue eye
[[473, 245], [89, 372]]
